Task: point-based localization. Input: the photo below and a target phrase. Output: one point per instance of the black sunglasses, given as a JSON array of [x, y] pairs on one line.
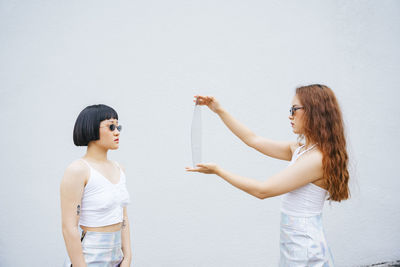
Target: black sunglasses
[[293, 109], [112, 127]]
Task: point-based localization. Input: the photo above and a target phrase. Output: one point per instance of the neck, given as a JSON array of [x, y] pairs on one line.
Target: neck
[[308, 143], [96, 153]]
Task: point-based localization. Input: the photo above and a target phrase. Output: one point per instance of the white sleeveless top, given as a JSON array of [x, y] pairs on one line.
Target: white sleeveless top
[[305, 201], [103, 201]]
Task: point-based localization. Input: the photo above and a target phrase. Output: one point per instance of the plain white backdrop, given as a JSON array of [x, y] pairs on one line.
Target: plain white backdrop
[[147, 59]]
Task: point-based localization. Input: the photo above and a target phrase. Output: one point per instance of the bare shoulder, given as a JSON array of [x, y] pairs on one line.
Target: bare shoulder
[[76, 171], [312, 159], [77, 167], [306, 169], [74, 181]]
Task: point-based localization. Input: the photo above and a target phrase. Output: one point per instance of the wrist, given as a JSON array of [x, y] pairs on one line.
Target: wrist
[[219, 111], [128, 256], [127, 260], [218, 170]]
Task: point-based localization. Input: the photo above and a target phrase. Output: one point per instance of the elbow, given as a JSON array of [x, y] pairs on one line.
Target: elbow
[[258, 194], [68, 230], [261, 190], [265, 190], [262, 196], [251, 141], [65, 229]]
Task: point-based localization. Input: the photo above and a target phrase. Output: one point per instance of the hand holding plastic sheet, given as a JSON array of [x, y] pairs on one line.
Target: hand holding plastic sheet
[[213, 105], [196, 135]]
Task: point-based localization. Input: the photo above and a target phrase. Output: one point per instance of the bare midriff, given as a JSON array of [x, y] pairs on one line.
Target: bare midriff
[[107, 228]]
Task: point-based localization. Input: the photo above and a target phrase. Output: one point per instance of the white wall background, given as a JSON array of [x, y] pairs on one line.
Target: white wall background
[[147, 59]]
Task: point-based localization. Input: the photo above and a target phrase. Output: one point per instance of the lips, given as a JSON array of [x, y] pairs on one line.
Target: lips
[[116, 140]]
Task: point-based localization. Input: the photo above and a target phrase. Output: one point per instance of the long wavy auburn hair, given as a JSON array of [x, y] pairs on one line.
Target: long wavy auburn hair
[[323, 125]]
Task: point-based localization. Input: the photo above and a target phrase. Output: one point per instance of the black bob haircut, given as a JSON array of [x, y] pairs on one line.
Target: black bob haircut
[[87, 124]]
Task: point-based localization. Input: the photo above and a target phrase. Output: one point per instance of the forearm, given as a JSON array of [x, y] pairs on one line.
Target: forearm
[[126, 240], [74, 247], [239, 129], [248, 185]]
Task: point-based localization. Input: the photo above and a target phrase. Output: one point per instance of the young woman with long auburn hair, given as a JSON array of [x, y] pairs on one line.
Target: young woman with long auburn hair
[[317, 171]]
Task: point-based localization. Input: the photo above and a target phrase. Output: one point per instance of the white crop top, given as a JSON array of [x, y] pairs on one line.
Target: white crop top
[[305, 201], [103, 201]]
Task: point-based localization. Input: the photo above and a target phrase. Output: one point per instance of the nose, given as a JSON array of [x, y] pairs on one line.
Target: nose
[[291, 117]]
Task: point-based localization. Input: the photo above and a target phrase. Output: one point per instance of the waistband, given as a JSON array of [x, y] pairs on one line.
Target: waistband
[[301, 223], [102, 239], [300, 214]]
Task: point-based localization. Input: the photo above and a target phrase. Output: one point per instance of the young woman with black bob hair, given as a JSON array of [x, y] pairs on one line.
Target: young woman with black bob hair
[[317, 171], [94, 197]]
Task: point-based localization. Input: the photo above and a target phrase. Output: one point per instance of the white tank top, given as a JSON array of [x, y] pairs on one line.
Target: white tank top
[[305, 201], [103, 201]]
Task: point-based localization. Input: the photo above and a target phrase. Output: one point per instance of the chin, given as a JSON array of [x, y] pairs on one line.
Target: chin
[[115, 147]]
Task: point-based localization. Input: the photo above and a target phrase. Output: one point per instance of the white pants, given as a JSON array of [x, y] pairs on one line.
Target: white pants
[[303, 243], [101, 249]]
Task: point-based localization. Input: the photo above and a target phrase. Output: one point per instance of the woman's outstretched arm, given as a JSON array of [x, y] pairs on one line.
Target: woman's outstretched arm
[[306, 169], [271, 148], [71, 190]]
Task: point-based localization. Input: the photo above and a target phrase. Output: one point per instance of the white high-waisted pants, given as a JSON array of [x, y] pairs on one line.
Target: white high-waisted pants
[[303, 243], [101, 249]]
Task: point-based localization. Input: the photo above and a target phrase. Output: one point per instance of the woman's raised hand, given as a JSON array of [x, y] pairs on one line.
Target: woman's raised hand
[[208, 101]]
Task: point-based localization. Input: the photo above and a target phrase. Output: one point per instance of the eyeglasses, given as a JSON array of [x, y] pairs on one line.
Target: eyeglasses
[[293, 109], [112, 127]]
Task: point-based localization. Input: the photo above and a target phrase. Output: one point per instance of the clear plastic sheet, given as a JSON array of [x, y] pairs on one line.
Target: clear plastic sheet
[[196, 135]]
